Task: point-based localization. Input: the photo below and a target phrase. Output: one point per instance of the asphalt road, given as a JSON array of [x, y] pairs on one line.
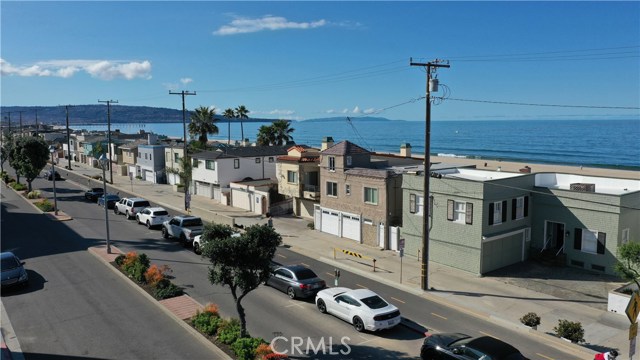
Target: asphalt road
[[271, 314]]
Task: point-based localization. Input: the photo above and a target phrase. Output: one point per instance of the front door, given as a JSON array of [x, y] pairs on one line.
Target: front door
[[554, 235]]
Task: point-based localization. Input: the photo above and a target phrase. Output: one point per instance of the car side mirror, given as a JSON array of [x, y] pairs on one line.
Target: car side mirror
[[22, 263]]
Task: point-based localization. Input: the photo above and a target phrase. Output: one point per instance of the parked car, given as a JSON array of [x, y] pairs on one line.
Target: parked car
[[13, 272], [184, 228], [93, 194], [297, 281], [463, 347], [152, 216], [112, 199], [198, 242], [361, 307], [130, 206], [50, 175]]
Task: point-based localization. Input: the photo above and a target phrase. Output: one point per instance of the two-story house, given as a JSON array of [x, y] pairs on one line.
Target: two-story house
[[298, 175], [173, 154], [150, 163]]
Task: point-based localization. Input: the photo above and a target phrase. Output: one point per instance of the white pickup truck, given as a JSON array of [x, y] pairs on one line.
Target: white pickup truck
[[182, 227]]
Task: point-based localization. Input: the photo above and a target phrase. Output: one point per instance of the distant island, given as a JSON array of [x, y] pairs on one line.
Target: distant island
[[97, 114]]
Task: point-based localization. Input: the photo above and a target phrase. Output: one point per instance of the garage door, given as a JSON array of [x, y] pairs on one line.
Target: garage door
[[203, 189], [330, 223], [241, 199], [351, 226], [148, 176], [501, 252]]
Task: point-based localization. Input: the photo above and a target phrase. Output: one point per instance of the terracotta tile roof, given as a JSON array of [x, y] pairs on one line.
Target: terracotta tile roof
[[345, 148]]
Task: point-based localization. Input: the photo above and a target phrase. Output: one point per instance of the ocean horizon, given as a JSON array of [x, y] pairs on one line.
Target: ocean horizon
[[591, 143]]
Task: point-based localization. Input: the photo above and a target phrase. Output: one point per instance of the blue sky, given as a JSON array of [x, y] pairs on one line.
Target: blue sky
[[302, 60]]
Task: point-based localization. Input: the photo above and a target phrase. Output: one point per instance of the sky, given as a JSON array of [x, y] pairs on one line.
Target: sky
[[302, 60]]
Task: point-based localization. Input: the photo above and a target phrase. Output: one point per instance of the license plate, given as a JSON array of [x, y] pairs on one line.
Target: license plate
[[391, 322]]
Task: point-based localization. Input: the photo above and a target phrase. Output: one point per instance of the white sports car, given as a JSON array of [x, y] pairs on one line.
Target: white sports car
[[361, 307]]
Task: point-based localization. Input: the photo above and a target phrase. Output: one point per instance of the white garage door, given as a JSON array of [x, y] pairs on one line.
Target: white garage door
[[148, 176], [216, 193], [330, 223], [203, 189], [351, 226], [240, 199]]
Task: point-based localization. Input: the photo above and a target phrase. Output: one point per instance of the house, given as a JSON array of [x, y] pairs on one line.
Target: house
[[214, 171], [173, 154], [298, 175], [360, 193], [129, 156], [150, 163], [485, 220], [253, 195]]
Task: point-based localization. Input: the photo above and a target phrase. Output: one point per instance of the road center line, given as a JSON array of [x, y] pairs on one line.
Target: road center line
[[440, 316], [304, 264], [398, 300], [362, 286], [484, 333], [546, 357], [282, 256]]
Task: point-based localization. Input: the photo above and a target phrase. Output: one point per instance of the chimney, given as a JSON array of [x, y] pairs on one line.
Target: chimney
[[327, 142], [405, 150], [245, 143]]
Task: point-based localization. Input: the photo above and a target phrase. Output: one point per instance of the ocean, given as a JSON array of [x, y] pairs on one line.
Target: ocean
[[592, 143]]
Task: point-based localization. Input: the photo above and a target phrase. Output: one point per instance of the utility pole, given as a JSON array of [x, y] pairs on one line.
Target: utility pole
[[20, 122], [426, 202], [36, 122], [66, 107], [187, 196], [109, 135]]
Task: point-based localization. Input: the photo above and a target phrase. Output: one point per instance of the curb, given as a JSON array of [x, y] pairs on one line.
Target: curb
[[50, 214]]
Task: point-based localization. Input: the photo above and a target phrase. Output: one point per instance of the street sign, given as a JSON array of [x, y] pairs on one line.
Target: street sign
[[633, 330], [633, 308], [632, 347], [401, 244]]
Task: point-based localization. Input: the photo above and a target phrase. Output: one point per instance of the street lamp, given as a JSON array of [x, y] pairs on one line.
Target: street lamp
[[104, 162], [52, 150]]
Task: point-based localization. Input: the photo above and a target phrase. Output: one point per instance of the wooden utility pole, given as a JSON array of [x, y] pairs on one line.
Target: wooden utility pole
[[109, 135], [66, 107], [187, 195], [426, 202]]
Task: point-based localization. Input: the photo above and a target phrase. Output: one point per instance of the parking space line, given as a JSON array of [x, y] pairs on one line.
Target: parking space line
[[398, 300], [440, 316], [546, 357]]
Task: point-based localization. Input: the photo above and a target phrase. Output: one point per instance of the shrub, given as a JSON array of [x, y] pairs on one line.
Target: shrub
[[10, 180], [135, 266], [18, 186], [119, 260], [44, 205], [275, 356], [245, 348], [311, 226], [211, 308], [35, 194], [154, 274], [206, 322], [229, 331], [570, 330], [166, 289], [263, 350], [530, 319]]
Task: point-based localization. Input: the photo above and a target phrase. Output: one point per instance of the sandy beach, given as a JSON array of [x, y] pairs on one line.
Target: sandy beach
[[537, 168]]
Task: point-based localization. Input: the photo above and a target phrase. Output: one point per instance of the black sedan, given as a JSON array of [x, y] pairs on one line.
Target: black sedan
[[93, 194], [456, 346], [297, 281], [51, 174], [13, 272]]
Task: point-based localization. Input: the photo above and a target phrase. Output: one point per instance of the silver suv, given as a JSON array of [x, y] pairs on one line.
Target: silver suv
[[130, 206]]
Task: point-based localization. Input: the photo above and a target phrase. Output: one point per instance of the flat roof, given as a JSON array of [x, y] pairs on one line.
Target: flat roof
[[477, 175], [603, 185]]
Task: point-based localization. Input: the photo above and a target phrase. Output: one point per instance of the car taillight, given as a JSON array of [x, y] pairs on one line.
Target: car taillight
[[304, 286]]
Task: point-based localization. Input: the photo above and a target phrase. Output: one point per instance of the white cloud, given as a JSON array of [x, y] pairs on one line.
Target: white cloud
[[369, 111], [267, 22], [101, 69], [186, 81]]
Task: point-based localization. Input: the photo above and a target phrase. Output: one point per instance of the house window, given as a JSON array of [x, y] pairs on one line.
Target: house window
[[176, 157], [625, 236], [332, 188], [257, 160], [519, 208], [349, 160], [271, 159], [236, 163], [416, 204], [347, 189], [194, 163], [590, 241], [145, 156], [150, 157], [497, 212], [332, 163], [459, 212], [371, 195], [210, 165], [292, 177]]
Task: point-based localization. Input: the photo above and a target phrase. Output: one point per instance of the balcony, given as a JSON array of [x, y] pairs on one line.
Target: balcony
[[311, 192]]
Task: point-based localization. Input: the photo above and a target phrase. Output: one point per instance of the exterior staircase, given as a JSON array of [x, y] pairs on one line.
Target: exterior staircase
[[548, 257]]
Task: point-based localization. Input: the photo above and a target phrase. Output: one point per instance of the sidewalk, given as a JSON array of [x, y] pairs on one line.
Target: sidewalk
[[496, 299]]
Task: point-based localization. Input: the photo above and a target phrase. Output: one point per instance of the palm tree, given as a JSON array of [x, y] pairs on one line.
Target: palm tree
[[229, 114], [241, 113], [266, 135], [282, 132], [203, 123]]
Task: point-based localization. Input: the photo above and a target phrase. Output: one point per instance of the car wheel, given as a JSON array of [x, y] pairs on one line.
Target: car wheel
[[183, 240], [358, 324], [322, 306], [165, 234], [128, 215], [148, 225], [291, 292], [196, 249], [429, 354]]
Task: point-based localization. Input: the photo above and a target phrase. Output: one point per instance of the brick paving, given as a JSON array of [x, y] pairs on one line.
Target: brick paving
[[182, 306]]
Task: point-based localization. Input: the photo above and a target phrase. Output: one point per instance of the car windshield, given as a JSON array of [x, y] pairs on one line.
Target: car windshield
[[9, 263], [161, 212], [305, 274], [192, 222], [374, 302]]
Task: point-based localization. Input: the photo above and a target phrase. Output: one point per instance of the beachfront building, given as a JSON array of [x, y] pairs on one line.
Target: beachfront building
[[298, 177], [485, 220], [214, 171]]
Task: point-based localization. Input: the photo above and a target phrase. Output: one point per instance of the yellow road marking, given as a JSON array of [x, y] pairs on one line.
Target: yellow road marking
[[484, 333], [440, 316], [546, 357], [398, 300], [362, 286], [282, 256]]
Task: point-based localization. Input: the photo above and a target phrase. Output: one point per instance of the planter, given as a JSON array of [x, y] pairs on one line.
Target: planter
[[617, 301], [177, 188]]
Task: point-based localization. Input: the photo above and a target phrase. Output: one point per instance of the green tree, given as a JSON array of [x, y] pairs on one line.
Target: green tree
[[241, 263], [184, 172], [5, 150], [203, 123], [229, 114], [628, 266], [242, 113], [266, 136], [30, 156], [98, 150], [282, 132]]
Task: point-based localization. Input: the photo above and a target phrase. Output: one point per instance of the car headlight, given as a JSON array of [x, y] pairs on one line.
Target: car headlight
[[23, 276]]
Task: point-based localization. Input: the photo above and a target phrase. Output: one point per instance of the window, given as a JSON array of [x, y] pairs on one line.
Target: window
[[194, 163], [416, 204], [176, 157], [370, 195], [210, 164], [347, 189], [271, 159], [257, 160], [236, 163], [349, 160], [625, 236], [292, 177], [145, 156], [519, 208], [497, 212], [589, 241], [332, 188], [150, 157], [459, 212], [332, 163]]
